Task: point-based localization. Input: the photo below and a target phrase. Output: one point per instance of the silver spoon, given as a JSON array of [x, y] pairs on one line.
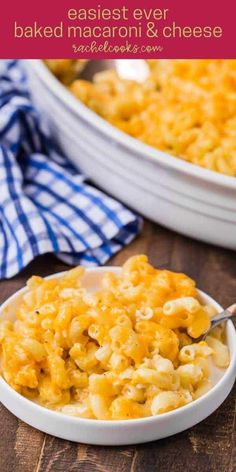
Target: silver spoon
[[222, 317], [133, 69]]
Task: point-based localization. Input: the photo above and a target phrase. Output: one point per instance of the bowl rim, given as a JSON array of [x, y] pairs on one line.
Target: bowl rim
[[95, 423], [133, 145]]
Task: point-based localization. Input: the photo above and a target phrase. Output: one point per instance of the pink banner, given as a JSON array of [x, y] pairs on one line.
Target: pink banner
[[121, 28]]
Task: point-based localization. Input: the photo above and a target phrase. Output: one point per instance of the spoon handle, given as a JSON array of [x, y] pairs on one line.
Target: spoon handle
[[230, 312]]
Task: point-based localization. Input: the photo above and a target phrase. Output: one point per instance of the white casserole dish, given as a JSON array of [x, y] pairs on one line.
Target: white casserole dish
[[188, 199], [122, 432]]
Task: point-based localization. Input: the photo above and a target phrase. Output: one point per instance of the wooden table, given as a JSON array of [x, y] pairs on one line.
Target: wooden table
[[208, 447]]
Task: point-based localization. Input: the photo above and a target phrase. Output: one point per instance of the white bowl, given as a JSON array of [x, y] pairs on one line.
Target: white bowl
[[120, 432], [189, 199]]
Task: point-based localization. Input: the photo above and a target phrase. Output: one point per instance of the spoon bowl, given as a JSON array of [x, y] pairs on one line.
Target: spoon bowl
[[133, 69]]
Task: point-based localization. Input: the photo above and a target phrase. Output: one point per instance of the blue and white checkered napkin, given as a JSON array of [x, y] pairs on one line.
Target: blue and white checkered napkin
[[45, 204]]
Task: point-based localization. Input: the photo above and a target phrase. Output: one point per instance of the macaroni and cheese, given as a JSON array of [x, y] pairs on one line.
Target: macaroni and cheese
[[128, 350], [186, 108]]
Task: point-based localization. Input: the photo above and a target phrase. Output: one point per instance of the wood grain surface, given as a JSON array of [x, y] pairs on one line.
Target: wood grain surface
[[208, 447]]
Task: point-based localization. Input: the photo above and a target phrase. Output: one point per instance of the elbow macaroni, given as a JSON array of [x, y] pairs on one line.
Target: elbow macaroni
[[186, 107], [126, 351]]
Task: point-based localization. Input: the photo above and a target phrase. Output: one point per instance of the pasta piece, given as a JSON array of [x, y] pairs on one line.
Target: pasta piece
[[166, 401], [220, 352]]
